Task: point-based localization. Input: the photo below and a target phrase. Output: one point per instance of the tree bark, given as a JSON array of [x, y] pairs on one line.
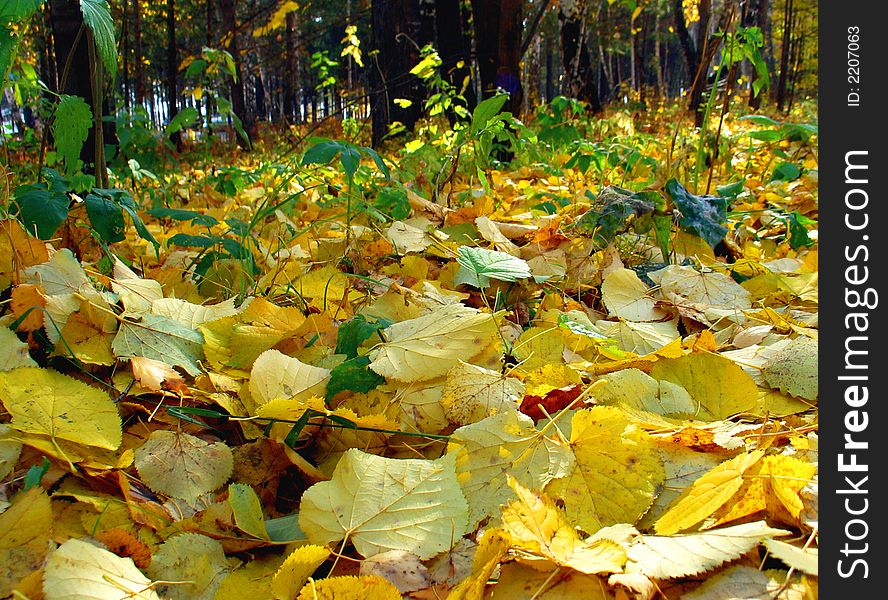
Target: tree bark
[[455, 45], [172, 68], [784, 53], [498, 27], [577, 60], [138, 71], [290, 85], [228, 10]]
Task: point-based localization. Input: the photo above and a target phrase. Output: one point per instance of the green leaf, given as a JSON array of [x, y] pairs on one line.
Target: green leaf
[[354, 375], [180, 214], [393, 202], [353, 332], [321, 153], [18, 10], [160, 338], [701, 215], [184, 118], [98, 17], [195, 68], [247, 510], [71, 123], [106, 217], [620, 206], [284, 529], [123, 199], [798, 233], [480, 265], [8, 42], [487, 110], [41, 209], [786, 171]]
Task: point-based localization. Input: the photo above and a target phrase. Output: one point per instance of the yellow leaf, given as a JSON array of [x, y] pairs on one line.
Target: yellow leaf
[[369, 587], [195, 562], [684, 285], [801, 559], [247, 510], [49, 403], [384, 504], [490, 552], [505, 445], [667, 557], [296, 569], [786, 476], [793, 370], [13, 352], [430, 345], [276, 375], [708, 494], [538, 526], [627, 297], [25, 534], [237, 340], [88, 337], [635, 389], [192, 315], [472, 393], [717, 384], [10, 449], [518, 581], [181, 465], [616, 474], [79, 570], [640, 338], [251, 580]]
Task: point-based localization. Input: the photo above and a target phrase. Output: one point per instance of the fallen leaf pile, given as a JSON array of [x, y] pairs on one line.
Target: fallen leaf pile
[[483, 400]]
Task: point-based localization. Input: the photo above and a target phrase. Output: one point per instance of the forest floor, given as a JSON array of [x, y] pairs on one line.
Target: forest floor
[[587, 372]]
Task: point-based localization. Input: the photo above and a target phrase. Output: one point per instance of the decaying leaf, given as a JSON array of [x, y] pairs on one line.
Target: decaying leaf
[[195, 562], [182, 466]]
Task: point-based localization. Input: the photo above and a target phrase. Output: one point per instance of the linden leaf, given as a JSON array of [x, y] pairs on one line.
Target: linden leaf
[[370, 587], [710, 289], [181, 465], [296, 569], [247, 510], [194, 562], [504, 445], [382, 504], [10, 450], [707, 494], [192, 315], [472, 393], [276, 375], [479, 265], [79, 570], [13, 351], [627, 297], [428, 346], [49, 403], [252, 579], [25, 535], [538, 526], [717, 384], [616, 474], [793, 370], [640, 338], [519, 581], [635, 389], [160, 338], [667, 557]]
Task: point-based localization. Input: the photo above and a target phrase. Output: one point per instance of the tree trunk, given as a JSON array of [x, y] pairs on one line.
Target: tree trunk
[[138, 72], [758, 13], [455, 45], [784, 53], [238, 98], [498, 27], [706, 47], [172, 68], [70, 38], [579, 71], [396, 30], [290, 68]]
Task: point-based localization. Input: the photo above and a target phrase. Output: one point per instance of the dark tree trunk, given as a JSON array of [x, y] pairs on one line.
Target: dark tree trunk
[[138, 71], [576, 58], [498, 28], [455, 45], [172, 68], [71, 50], [290, 68], [705, 50], [228, 10], [758, 13], [396, 37], [124, 57], [784, 53]]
